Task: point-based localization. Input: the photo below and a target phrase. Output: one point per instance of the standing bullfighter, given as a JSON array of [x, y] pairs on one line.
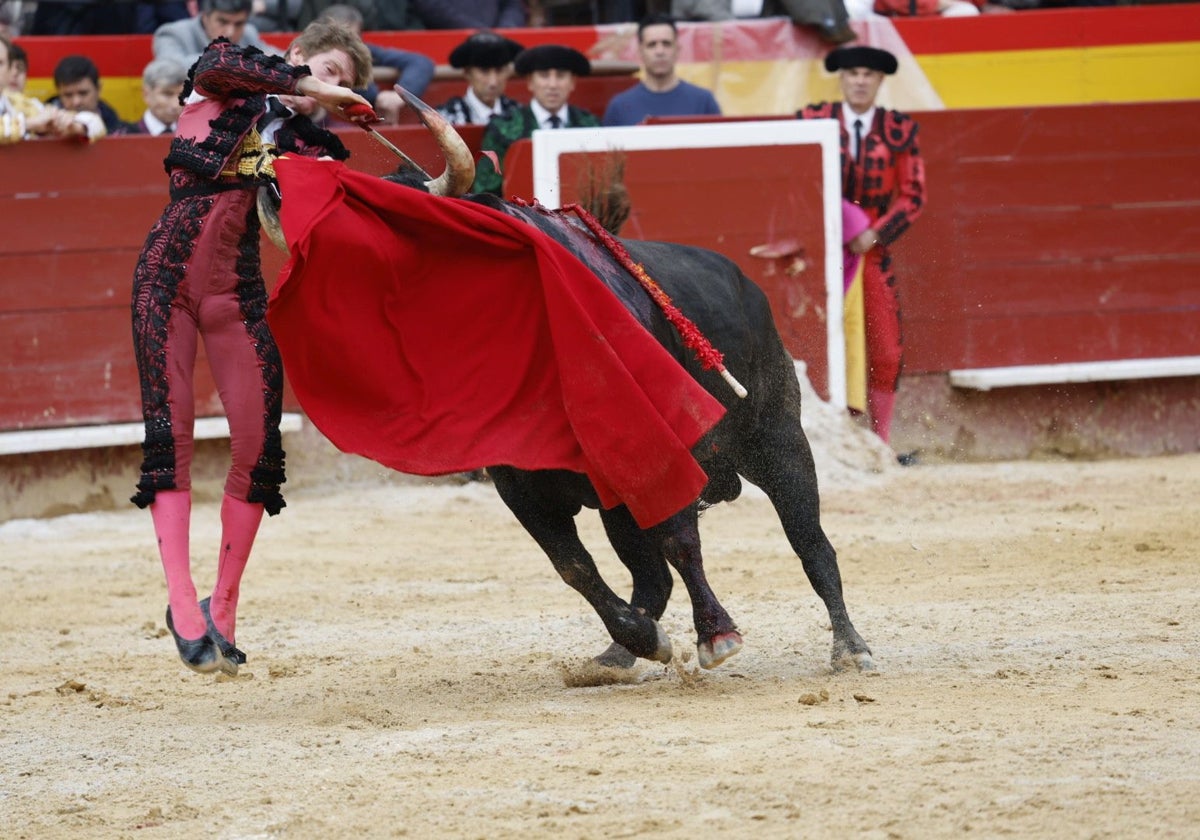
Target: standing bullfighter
[[199, 276], [883, 173]]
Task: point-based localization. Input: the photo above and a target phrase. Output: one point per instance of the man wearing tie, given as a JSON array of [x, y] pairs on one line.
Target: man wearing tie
[[882, 172], [550, 71]]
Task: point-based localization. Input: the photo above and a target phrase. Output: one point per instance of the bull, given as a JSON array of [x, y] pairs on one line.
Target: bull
[[760, 439]]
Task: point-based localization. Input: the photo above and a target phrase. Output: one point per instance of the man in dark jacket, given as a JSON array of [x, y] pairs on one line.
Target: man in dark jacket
[[551, 70], [486, 59], [77, 81]]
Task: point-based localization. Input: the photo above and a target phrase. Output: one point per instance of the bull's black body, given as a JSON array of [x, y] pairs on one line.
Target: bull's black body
[[760, 438]]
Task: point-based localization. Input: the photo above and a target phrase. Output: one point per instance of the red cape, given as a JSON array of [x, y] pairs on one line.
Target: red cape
[[435, 335]]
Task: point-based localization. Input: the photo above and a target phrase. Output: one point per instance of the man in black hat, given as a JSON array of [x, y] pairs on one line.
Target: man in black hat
[[486, 60], [882, 173], [551, 70]]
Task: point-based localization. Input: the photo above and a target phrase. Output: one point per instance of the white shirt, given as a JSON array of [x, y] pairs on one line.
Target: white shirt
[[848, 118], [268, 132], [478, 109], [154, 125], [543, 116]]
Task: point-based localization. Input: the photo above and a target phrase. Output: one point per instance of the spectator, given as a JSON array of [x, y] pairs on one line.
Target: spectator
[[77, 82], [551, 70], [151, 15], [882, 172], [660, 92], [162, 83], [828, 17], [18, 67], [469, 14], [87, 18], [277, 16], [486, 60], [184, 40], [23, 117], [416, 70]]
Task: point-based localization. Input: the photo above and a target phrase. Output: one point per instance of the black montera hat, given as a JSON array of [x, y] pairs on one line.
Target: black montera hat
[[873, 58], [485, 49], [552, 57]]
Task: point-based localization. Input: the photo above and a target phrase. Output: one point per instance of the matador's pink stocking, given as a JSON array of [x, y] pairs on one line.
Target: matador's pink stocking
[[171, 511], [239, 525], [881, 403]]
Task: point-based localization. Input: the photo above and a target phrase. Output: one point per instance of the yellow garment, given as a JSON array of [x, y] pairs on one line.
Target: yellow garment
[[856, 342], [15, 111], [255, 159]]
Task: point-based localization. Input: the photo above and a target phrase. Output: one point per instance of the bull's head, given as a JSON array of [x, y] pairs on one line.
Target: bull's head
[[453, 182]]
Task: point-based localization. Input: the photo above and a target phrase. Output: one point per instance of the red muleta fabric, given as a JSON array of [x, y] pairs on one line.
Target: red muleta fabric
[[435, 336]]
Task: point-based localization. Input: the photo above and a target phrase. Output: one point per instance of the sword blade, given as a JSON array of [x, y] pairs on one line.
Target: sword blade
[[390, 146]]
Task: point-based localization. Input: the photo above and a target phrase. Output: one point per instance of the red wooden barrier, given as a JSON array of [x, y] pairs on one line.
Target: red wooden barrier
[[1051, 235], [75, 218], [1054, 235]]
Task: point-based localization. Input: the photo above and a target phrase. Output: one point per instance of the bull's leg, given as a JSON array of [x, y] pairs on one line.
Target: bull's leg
[[783, 468], [652, 581], [678, 538], [551, 522]]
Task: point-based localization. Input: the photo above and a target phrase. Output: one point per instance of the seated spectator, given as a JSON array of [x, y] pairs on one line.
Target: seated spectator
[[77, 82], [661, 92], [87, 18], [153, 14], [469, 14], [184, 40], [162, 82], [18, 67], [23, 117], [829, 18], [486, 60], [550, 70], [416, 70], [277, 16]]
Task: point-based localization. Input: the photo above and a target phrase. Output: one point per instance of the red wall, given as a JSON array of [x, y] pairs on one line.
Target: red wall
[[1054, 235], [75, 217]]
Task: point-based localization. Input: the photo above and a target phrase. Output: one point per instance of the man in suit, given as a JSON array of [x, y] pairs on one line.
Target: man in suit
[[550, 71], [883, 173], [162, 82], [184, 40]]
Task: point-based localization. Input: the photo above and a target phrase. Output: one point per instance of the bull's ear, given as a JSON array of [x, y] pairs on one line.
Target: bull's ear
[[268, 214]]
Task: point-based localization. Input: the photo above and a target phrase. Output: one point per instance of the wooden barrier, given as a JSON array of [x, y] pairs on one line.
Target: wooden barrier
[[1052, 235], [76, 216]]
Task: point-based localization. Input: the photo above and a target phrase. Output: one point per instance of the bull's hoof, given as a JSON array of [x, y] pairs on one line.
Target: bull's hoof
[[845, 659], [663, 653], [719, 648], [616, 656]]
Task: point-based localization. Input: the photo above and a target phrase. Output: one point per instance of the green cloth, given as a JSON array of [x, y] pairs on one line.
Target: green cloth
[[503, 131]]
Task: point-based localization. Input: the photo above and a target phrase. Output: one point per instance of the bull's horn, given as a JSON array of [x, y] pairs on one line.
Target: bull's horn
[[460, 168], [268, 214]]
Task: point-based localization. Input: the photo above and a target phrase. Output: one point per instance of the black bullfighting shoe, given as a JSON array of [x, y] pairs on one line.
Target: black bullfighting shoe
[[225, 646], [201, 655]]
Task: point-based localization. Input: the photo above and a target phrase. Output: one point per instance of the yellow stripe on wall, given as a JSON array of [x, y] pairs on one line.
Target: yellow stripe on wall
[[1136, 73]]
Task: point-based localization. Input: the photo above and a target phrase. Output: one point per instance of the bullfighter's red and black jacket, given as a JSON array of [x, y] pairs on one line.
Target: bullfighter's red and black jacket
[[889, 183], [233, 83]]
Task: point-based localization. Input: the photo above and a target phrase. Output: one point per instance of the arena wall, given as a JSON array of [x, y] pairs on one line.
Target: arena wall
[[1054, 234]]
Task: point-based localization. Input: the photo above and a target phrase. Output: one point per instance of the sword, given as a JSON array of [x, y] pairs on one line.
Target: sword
[[366, 117]]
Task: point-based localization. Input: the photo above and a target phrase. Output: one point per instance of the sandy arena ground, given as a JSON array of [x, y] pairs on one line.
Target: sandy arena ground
[[410, 653]]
